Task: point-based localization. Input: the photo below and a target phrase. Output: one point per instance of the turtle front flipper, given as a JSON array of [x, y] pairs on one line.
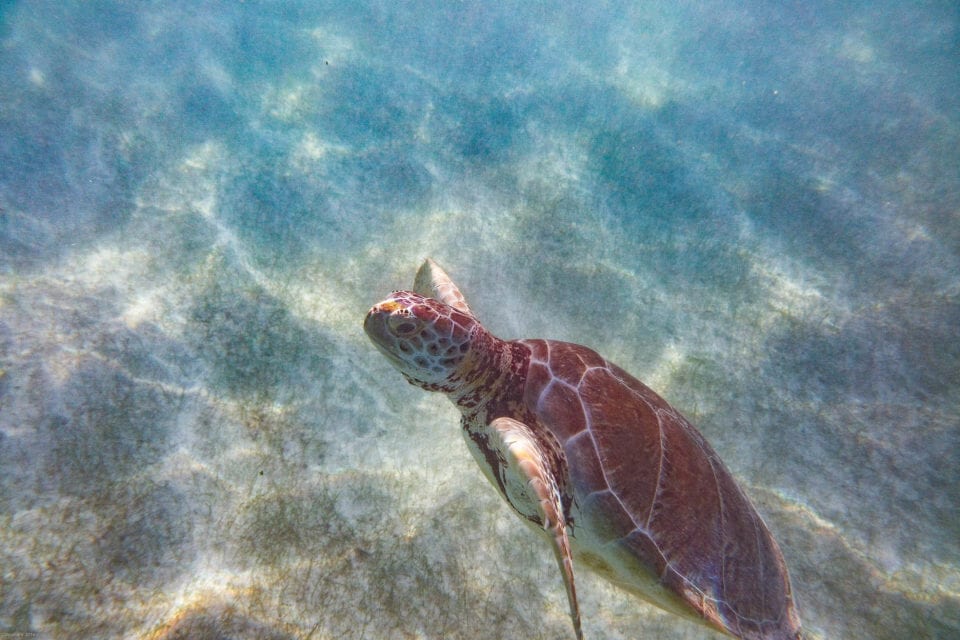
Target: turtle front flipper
[[433, 282], [530, 482]]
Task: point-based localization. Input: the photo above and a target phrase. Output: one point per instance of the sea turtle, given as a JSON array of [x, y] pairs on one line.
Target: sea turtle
[[614, 476]]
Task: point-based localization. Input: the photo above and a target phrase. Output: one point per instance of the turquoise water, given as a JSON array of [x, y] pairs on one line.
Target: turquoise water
[[754, 208]]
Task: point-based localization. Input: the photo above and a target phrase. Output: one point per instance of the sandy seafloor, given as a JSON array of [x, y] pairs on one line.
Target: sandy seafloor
[[754, 207]]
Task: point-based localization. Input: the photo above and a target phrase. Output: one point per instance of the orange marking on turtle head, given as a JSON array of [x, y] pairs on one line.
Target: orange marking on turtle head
[[389, 306]]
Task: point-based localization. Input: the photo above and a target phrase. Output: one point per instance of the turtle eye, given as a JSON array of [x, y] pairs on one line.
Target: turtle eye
[[405, 328], [404, 324]]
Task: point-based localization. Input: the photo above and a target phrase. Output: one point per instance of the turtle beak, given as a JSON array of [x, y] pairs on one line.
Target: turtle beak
[[375, 326]]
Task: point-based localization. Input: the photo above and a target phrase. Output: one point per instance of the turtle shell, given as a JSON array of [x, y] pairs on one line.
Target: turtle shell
[[652, 505]]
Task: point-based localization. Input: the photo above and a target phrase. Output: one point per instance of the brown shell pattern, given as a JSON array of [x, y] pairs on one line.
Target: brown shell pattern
[[653, 485]]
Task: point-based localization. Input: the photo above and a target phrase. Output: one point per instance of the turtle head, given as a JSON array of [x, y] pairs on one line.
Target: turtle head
[[427, 340]]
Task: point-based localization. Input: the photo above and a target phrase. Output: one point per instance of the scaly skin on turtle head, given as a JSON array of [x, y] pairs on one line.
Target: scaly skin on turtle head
[[428, 341]]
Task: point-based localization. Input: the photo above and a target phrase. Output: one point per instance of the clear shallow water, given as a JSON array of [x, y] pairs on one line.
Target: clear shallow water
[[754, 210]]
